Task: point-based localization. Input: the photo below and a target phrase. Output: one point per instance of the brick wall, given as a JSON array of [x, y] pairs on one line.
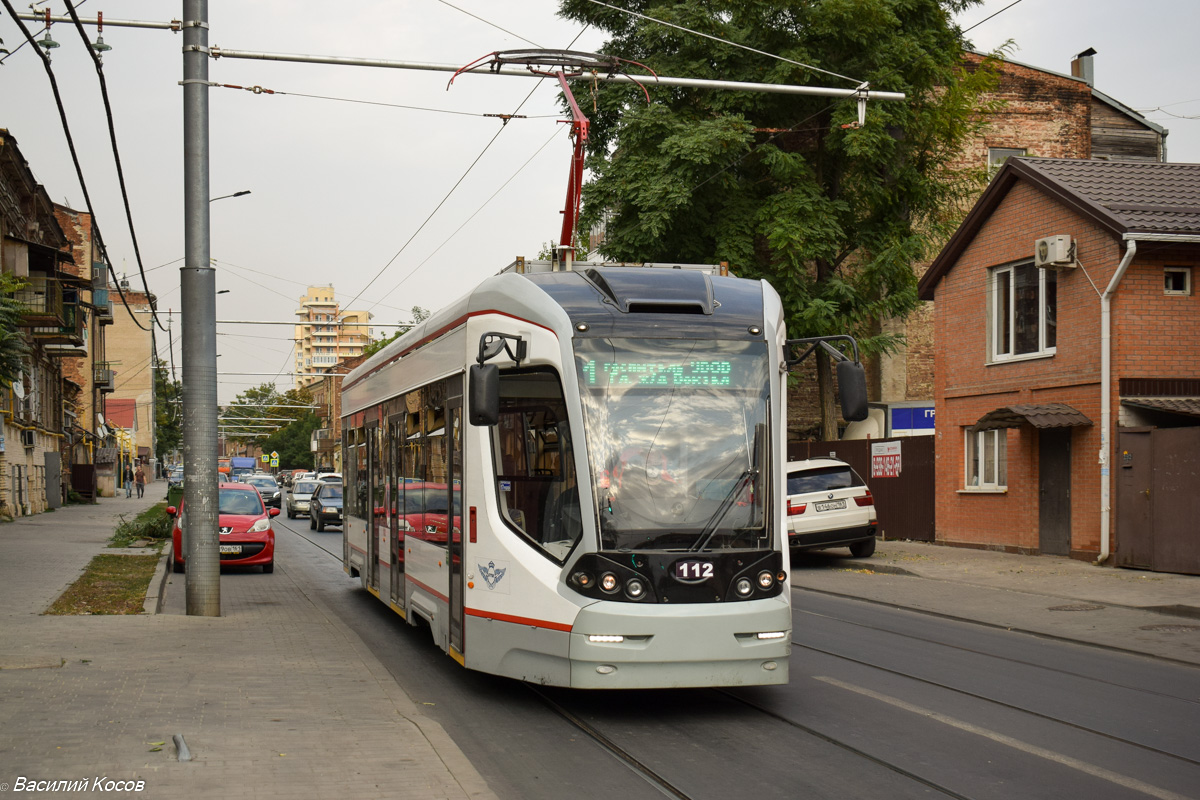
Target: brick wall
[[1155, 336]]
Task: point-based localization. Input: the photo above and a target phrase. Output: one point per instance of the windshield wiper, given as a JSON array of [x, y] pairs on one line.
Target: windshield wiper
[[710, 529]]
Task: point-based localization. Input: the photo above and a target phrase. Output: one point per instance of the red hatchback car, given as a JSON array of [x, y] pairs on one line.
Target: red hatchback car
[[244, 527]]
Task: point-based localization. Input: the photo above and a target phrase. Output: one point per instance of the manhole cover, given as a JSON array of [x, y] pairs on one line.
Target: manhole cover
[[1171, 628], [1077, 607]]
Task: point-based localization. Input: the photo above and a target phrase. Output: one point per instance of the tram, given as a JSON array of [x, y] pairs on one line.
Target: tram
[[574, 476]]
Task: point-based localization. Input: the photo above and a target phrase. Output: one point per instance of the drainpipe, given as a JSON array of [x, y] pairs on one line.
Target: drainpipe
[[1106, 396]]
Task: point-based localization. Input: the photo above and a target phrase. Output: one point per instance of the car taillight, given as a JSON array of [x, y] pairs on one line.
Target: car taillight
[[865, 500], [796, 508]]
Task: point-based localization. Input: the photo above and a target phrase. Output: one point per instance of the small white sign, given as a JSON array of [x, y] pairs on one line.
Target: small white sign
[[885, 460]]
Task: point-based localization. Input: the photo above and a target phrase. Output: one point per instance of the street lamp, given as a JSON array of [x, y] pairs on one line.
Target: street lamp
[[235, 194]]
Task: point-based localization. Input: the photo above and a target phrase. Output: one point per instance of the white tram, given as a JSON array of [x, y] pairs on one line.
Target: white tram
[[575, 477]]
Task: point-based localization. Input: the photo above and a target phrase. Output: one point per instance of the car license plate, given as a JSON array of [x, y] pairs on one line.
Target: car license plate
[[830, 505], [231, 549]]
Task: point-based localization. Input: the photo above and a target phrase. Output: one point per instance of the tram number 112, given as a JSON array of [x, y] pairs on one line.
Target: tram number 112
[[693, 570]]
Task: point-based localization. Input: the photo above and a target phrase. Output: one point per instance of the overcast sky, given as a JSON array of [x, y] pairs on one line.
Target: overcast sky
[[340, 189]]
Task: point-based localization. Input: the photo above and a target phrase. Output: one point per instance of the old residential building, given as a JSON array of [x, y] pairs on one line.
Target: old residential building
[[32, 248], [131, 349], [1068, 364]]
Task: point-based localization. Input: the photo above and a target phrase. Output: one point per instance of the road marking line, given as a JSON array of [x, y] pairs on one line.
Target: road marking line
[[1016, 744]]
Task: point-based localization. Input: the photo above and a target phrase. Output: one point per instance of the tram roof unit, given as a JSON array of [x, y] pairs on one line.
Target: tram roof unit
[[585, 298]]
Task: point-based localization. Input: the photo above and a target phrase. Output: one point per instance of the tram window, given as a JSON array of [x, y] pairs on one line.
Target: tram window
[[536, 481], [360, 475]]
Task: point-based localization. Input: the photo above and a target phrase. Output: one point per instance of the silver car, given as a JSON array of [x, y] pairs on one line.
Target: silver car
[[297, 502]]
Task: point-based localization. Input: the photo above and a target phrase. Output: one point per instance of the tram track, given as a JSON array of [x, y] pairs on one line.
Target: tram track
[[640, 758]]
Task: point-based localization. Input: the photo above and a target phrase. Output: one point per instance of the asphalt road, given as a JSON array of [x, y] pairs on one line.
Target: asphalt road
[[883, 703]]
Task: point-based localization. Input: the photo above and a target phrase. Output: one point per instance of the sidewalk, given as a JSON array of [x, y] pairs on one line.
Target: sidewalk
[[273, 699], [1153, 613]]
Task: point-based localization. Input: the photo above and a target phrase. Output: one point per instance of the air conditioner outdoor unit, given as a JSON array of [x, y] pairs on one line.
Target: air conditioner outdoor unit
[[27, 438], [1054, 252]]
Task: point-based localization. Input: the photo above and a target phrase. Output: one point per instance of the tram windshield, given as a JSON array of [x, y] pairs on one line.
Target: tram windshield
[[676, 436]]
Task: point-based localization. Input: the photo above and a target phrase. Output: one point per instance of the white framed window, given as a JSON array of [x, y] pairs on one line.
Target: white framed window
[[998, 155], [1023, 312], [986, 459], [1177, 280]]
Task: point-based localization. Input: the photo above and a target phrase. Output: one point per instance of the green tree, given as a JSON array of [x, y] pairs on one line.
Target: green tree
[[293, 442], [14, 344], [263, 411], [168, 396], [419, 315], [783, 187]]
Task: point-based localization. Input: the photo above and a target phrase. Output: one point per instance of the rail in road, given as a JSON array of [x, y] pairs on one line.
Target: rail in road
[[883, 703]]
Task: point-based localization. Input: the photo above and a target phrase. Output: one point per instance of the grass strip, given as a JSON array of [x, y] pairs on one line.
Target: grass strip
[[111, 584]]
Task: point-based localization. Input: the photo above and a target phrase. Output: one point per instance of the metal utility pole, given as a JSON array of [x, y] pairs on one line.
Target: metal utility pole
[[199, 346]]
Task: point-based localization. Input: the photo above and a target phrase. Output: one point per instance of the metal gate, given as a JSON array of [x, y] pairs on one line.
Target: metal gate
[[903, 490], [54, 489], [1157, 502]]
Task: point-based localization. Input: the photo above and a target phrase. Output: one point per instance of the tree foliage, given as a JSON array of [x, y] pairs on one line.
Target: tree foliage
[[285, 418], [168, 397], [14, 344], [788, 187], [419, 315]]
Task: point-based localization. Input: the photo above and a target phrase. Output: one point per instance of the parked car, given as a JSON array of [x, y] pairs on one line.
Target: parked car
[[829, 505], [325, 506], [175, 478], [298, 499], [243, 526], [329, 476], [271, 493]]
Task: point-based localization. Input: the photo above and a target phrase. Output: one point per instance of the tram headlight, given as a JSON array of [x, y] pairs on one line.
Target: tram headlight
[[765, 579], [635, 589], [743, 587], [582, 579], [609, 582]]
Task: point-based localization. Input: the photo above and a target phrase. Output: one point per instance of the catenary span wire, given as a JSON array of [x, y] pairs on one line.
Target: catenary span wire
[[985, 19], [486, 22], [62, 115], [726, 41], [112, 136], [224, 263], [503, 126], [13, 52], [277, 92], [446, 241]]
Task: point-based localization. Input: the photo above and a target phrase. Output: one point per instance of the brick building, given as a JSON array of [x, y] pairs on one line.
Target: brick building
[[1043, 113], [1028, 387], [32, 244], [326, 441], [130, 350], [87, 375]]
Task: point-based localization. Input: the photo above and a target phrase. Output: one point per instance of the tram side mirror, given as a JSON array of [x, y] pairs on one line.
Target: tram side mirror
[[484, 406], [852, 388]]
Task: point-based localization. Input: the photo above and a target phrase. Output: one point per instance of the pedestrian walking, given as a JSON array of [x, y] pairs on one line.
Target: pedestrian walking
[[139, 478], [127, 479]]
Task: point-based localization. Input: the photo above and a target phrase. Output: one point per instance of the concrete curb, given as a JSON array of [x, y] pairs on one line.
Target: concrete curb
[[153, 603]]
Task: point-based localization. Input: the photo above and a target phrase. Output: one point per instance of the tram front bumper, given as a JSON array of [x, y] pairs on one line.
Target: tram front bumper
[[675, 646]]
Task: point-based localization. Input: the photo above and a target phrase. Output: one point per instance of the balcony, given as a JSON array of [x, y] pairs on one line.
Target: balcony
[[69, 338], [103, 305], [323, 441], [43, 301], [103, 377]]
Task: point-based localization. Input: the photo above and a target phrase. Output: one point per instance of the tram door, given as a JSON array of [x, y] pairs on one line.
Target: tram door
[[456, 521], [369, 505], [395, 503]]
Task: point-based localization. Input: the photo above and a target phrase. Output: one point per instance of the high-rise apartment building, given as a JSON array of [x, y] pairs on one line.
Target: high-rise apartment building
[[325, 335]]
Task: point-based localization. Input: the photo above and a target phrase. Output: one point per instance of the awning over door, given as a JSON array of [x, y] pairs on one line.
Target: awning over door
[[1175, 405], [1039, 415]]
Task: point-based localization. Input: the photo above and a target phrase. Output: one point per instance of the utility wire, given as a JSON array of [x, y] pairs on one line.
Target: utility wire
[[112, 135], [731, 44], [468, 219], [486, 22], [985, 19], [62, 114], [261, 90], [457, 183]]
